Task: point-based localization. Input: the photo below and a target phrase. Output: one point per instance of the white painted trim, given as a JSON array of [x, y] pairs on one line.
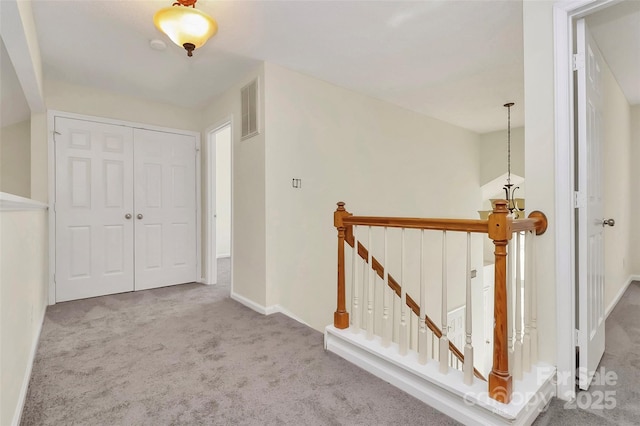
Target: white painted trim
[[198, 206], [266, 310], [446, 393], [11, 202], [620, 293], [252, 305], [51, 115], [564, 14], [22, 397], [223, 256], [279, 309], [116, 122], [51, 171], [210, 240]]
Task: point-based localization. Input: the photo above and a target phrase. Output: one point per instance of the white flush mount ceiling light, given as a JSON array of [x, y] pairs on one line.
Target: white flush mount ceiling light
[[185, 25]]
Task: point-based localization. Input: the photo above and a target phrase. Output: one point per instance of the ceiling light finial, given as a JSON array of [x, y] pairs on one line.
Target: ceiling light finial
[[185, 25]]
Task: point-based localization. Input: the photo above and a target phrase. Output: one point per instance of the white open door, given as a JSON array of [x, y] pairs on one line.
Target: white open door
[[94, 206], [590, 247]]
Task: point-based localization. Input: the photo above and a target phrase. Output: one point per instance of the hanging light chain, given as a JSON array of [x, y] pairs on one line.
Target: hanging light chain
[[508, 188]]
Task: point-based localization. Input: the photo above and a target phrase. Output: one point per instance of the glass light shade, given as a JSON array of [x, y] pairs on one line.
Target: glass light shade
[[185, 25]]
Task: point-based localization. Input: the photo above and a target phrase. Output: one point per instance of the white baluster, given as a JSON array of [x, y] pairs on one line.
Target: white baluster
[[517, 356], [526, 341], [531, 258], [413, 334], [370, 290], [510, 299], [433, 345], [444, 341], [422, 333], [356, 314], [468, 348], [387, 322], [403, 339]]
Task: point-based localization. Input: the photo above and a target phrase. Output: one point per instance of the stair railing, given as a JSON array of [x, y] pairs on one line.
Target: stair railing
[[514, 332]]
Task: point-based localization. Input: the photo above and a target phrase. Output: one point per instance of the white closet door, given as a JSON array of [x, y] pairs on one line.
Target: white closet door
[[165, 209], [94, 195]]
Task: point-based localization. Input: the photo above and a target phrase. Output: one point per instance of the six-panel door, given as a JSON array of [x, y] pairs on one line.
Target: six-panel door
[[125, 209], [165, 194], [94, 239]]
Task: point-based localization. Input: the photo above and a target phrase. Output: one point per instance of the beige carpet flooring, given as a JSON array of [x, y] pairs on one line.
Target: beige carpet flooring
[[622, 358], [189, 355]]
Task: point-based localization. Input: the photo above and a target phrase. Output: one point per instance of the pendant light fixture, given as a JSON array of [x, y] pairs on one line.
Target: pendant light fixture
[[185, 25], [509, 188]]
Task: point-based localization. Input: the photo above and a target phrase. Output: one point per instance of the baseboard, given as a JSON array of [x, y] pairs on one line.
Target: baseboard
[[280, 309], [616, 299], [17, 415], [266, 310], [251, 304]]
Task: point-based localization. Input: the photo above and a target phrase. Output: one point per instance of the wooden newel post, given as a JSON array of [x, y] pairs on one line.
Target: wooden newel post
[[500, 385], [341, 316]]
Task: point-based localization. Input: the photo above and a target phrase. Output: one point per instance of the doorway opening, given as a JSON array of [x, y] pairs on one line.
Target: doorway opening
[[219, 203], [581, 305]]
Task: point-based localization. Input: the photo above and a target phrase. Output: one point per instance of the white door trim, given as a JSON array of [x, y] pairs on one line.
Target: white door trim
[[51, 114], [564, 15], [210, 238]]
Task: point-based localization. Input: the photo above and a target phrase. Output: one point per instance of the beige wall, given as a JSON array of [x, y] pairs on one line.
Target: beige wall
[[617, 184], [378, 158], [539, 134], [493, 154], [223, 192], [62, 96], [23, 300], [15, 159], [248, 233]]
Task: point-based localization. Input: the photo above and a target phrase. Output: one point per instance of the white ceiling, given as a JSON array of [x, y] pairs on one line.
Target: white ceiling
[[616, 30], [458, 61], [14, 107]]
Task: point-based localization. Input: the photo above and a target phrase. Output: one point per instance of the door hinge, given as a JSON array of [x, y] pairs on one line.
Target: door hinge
[[579, 200], [577, 337], [578, 61]]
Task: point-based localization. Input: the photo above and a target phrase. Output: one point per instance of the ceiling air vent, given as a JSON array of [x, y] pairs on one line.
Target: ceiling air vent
[[249, 103]]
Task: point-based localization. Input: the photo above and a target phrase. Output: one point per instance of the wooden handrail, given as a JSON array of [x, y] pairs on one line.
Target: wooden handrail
[[536, 221], [462, 225], [412, 304]]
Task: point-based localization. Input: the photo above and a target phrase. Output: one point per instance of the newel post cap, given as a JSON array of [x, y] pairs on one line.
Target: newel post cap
[[499, 223], [340, 213]]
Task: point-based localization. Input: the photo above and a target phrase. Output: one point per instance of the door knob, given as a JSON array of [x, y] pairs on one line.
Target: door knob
[[609, 222], [139, 216], [127, 216]]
